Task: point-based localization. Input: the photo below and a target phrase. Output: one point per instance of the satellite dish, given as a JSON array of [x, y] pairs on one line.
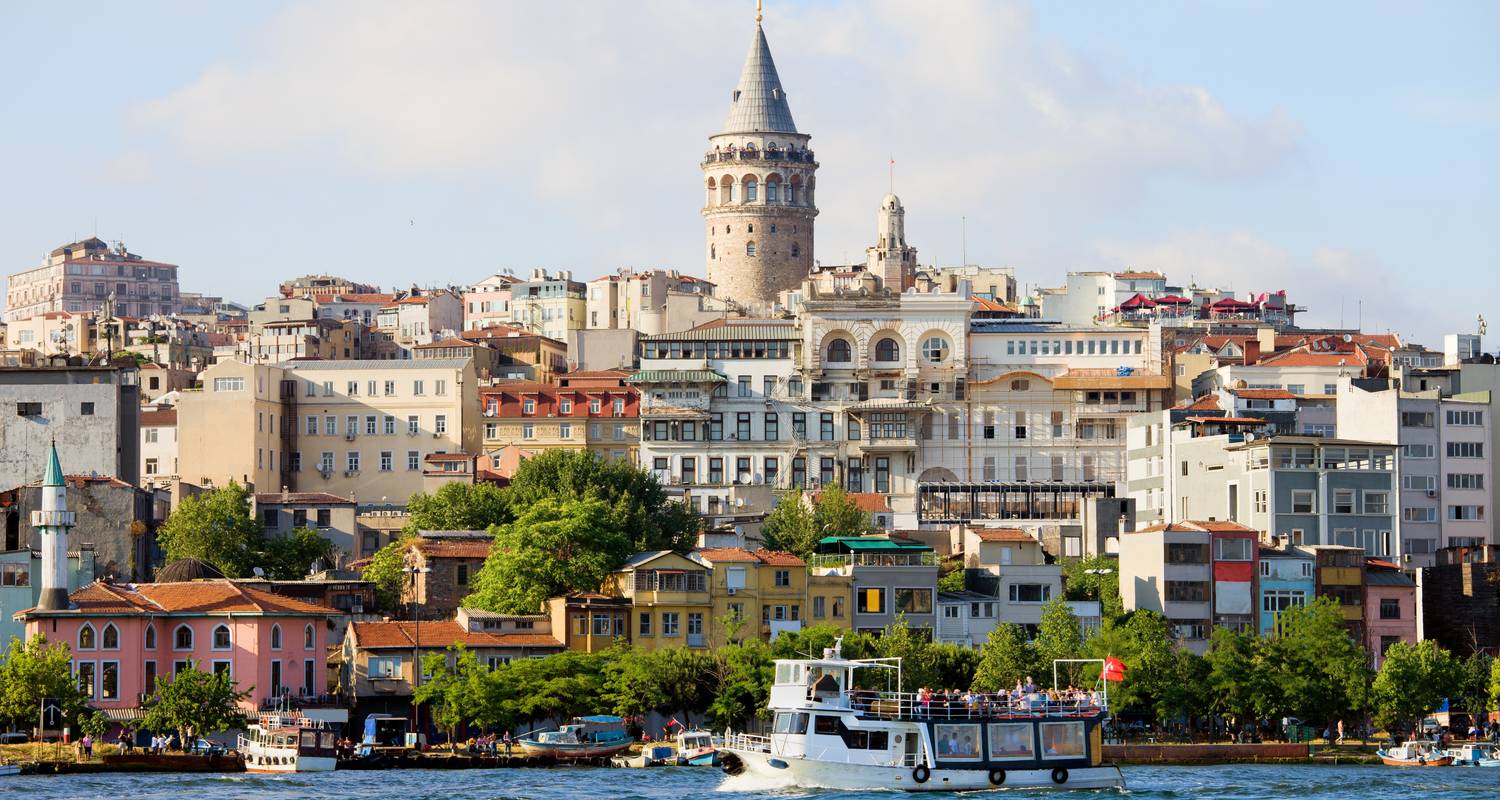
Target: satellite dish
[[1348, 338]]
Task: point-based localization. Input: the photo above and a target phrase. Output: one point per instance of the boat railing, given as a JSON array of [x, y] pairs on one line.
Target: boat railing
[[978, 706], [748, 742]]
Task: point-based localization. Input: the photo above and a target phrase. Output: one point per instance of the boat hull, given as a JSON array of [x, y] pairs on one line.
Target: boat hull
[[270, 764], [763, 771], [571, 752], [1437, 761]]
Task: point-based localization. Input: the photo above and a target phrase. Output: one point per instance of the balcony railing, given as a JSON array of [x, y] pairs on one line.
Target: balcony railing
[[926, 558], [726, 156]]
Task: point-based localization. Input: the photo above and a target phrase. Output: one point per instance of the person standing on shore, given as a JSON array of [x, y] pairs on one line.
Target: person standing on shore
[[507, 741], [1341, 732]]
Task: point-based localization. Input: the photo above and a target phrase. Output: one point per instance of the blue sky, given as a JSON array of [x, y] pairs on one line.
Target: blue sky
[[1344, 152]]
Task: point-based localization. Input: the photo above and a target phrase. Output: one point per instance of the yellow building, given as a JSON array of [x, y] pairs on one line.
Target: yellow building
[[230, 428], [669, 593], [766, 593]]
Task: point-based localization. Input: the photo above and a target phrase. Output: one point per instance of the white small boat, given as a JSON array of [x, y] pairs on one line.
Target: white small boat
[[289, 743], [697, 749], [1416, 753], [651, 755], [1474, 755], [9, 769]]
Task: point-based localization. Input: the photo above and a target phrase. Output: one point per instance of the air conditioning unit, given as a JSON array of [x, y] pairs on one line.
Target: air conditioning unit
[[349, 437], [732, 590], [410, 432], [1432, 493], [349, 473], [436, 435], [326, 474]]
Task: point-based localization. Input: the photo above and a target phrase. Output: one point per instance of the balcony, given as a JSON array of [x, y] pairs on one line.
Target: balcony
[[888, 443], [845, 561], [745, 156]]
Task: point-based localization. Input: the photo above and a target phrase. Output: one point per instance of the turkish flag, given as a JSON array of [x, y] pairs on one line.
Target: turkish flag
[[1114, 669]]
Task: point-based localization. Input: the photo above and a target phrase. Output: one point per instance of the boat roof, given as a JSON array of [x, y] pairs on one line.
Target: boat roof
[[842, 663]]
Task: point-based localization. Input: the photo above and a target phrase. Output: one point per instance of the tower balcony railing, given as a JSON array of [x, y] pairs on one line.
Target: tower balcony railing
[[41, 518], [794, 156]]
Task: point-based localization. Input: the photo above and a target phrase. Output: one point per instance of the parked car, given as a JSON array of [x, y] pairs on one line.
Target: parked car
[[203, 747], [14, 737]]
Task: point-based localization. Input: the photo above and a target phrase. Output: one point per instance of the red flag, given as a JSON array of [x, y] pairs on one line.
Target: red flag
[[1114, 669]]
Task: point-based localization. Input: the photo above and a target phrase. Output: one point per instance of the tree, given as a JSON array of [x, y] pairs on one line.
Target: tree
[[1058, 637], [836, 514], [790, 526], [450, 692], [1473, 693], [290, 557], [1233, 674], [952, 580], [742, 677], [1495, 683], [94, 723], [1318, 672], [1095, 578], [1007, 657], [215, 527], [458, 507], [554, 546], [638, 505], [1411, 683], [384, 570], [35, 670], [194, 703]]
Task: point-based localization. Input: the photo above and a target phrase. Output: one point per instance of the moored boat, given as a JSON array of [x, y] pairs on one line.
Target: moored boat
[[697, 749], [583, 737], [828, 735], [289, 743], [1415, 753], [1474, 755]]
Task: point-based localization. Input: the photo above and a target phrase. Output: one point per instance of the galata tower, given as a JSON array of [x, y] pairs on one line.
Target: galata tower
[[759, 188]]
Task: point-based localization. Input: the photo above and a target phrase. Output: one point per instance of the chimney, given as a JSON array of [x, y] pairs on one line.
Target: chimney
[[1252, 351], [52, 521]]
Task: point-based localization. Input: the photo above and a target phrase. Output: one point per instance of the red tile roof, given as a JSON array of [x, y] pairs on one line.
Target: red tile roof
[[779, 558], [454, 548], [191, 597], [1263, 394], [725, 554], [1229, 420], [438, 635], [1196, 526], [1208, 402], [870, 502], [1003, 535], [158, 417]]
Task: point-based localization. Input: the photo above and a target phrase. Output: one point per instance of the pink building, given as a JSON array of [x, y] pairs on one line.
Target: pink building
[[1390, 608], [125, 636]]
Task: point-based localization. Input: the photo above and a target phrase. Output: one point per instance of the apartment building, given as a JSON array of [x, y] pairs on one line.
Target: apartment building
[[91, 413], [1443, 461], [1286, 577], [420, 318], [1340, 575], [766, 593], [650, 301], [589, 622], [333, 517], [1390, 608], [1198, 574], [488, 302], [80, 276], [158, 445], [1086, 297], [670, 598], [891, 576], [596, 411], [290, 340], [55, 333], [548, 304], [521, 354], [357, 429]]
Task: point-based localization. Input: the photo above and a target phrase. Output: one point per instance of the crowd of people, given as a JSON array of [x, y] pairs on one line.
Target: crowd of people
[[1025, 698]]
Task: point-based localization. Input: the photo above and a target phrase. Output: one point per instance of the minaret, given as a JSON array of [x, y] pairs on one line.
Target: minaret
[[52, 522], [891, 258], [759, 188]]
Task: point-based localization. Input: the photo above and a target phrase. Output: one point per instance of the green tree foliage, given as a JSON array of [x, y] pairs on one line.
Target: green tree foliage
[[94, 723], [554, 546], [1473, 693], [1006, 658], [458, 507], [1095, 578], [1311, 667], [835, 514], [638, 505], [194, 703], [562, 686], [384, 570], [1058, 637], [798, 522], [952, 580], [32, 671], [1234, 678], [672, 680], [288, 558], [742, 678], [215, 527], [455, 690], [1495, 683], [1412, 682]]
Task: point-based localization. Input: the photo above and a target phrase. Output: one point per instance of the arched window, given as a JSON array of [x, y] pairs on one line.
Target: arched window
[[111, 638], [887, 349], [713, 251], [793, 189], [839, 352], [86, 637], [713, 191], [728, 191], [309, 638], [796, 249], [749, 248], [751, 190], [773, 190], [750, 228], [935, 349], [150, 637], [221, 637], [275, 637], [182, 638]]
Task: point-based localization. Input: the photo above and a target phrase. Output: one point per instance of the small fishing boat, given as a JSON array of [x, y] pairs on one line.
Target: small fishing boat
[[8, 769], [1414, 754], [1474, 755], [696, 749], [289, 743], [651, 755], [583, 737]]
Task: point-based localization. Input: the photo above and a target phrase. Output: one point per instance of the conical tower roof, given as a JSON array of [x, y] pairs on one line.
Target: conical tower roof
[[759, 103], [54, 474]]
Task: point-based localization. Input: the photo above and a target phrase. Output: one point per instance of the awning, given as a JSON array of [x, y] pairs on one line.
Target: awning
[[676, 376]]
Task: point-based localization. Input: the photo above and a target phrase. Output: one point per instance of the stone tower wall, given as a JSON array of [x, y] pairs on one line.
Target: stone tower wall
[[781, 229]]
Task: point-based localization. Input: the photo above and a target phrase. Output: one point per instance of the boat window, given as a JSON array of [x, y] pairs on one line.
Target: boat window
[[1011, 741], [786, 673], [826, 725], [791, 723], [957, 742], [1062, 739]]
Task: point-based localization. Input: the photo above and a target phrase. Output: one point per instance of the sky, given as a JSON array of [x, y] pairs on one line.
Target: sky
[[1345, 152]]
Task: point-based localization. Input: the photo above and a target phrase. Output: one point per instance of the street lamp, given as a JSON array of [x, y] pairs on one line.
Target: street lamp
[[416, 650]]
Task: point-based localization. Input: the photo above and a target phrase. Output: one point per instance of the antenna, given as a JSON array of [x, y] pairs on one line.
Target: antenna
[[964, 240], [893, 175], [758, 12]]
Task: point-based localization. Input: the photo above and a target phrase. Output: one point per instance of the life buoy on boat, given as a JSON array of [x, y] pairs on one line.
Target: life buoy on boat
[[997, 777], [921, 773], [1059, 775]]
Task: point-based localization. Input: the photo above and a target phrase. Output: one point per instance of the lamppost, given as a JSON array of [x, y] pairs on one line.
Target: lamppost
[[416, 650]]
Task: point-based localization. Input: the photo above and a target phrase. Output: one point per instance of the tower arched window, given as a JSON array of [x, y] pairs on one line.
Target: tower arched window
[[887, 350], [182, 638], [750, 228], [86, 637], [150, 637], [796, 250], [751, 190], [749, 248], [793, 190], [275, 637], [839, 352], [222, 639], [110, 639], [773, 191], [713, 252]]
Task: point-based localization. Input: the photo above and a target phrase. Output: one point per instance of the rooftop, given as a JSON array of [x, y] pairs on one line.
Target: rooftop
[[437, 635]]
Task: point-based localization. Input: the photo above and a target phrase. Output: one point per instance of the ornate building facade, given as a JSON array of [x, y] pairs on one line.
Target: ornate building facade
[[759, 183]]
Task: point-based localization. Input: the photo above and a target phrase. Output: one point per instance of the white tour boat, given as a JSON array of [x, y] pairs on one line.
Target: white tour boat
[[289, 743], [829, 735]]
